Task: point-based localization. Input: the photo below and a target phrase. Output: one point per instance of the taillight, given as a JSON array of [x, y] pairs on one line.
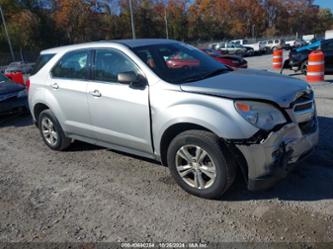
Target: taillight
[[27, 84]]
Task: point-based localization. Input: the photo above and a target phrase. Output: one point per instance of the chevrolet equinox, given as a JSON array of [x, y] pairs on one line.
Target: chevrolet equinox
[[168, 101]]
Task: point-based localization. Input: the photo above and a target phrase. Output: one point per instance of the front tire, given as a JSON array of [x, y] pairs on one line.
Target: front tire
[[197, 162], [51, 131]]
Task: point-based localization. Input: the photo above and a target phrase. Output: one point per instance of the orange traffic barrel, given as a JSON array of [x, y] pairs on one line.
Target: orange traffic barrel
[[277, 59], [316, 67]]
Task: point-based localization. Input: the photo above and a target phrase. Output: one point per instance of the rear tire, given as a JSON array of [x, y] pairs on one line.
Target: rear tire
[[51, 131], [198, 163]]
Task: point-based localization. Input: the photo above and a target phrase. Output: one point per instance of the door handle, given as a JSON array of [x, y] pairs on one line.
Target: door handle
[[55, 86], [96, 93]]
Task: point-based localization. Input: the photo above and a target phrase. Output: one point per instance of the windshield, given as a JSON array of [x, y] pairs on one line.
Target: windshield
[[179, 63], [2, 78]]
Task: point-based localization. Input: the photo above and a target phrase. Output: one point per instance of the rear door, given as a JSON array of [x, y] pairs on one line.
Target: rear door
[[69, 82]]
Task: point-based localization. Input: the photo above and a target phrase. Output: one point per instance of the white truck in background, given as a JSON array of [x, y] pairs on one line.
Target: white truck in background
[[329, 34], [308, 38], [257, 47]]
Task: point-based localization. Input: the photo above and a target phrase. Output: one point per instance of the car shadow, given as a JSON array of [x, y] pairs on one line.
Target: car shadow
[[82, 146], [312, 180], [17, 119]]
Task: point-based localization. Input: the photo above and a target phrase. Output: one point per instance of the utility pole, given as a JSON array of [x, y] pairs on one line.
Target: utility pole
[[166, 23], [132, 19], [7, 35], [253, 31]]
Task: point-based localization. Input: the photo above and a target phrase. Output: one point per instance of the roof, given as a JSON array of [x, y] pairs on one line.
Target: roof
[[143, 42], [132, 43]]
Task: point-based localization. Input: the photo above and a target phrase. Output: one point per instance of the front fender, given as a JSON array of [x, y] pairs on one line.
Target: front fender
[[212, 113]]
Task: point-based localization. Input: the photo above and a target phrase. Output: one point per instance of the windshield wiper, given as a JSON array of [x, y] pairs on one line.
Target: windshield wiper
[[216, 72], [205, 76]]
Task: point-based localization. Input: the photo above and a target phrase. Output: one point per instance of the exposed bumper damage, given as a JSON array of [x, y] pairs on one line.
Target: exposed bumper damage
[[273, 157]]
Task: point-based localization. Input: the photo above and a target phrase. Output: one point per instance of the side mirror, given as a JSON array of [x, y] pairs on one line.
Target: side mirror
[[131, 78], [127, 77]]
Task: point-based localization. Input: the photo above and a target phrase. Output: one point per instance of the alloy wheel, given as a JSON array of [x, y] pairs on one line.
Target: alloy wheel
[[195, 166], [49, 132]]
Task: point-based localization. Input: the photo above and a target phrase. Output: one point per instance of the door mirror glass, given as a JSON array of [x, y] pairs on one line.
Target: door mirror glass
[[127, 77], [131, 78]]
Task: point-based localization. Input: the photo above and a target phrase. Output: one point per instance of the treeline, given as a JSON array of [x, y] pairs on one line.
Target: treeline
[[36, 24]]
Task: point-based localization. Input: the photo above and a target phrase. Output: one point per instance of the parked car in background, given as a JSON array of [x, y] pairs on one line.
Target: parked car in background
[[298, 58], [257, 47], [180, 60], [19, 66], [203, 122], [230, 48], [2, 69], [16, 77], [270, 45], [229, 60], [12, 96], [328, 34], [309, 38], [291, 44]]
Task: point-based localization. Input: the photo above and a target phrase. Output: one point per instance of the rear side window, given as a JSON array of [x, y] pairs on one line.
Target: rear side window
[[41, 62], [73, 65]]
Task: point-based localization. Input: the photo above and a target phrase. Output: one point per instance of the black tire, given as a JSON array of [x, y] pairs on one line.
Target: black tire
[[304, 67], [225, 169], [62, 142]]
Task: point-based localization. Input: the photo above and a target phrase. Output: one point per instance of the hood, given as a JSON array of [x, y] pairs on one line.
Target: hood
[[312, 46], [9, 87], [251, 84]]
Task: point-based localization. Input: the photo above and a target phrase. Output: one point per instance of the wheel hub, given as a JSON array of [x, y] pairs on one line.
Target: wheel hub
[[195, 167]]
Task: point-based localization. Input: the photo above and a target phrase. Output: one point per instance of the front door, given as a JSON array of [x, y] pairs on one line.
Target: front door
[[119, 113]]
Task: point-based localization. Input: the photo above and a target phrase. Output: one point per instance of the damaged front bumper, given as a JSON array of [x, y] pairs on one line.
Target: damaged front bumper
[[273, 157]]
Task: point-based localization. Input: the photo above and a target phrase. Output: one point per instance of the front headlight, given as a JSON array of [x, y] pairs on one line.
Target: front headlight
[[259, 114]]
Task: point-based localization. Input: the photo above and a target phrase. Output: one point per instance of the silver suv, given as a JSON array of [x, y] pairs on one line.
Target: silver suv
[[169, 101]]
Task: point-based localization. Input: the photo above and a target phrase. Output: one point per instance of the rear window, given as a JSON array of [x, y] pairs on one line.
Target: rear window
[[41, 62]]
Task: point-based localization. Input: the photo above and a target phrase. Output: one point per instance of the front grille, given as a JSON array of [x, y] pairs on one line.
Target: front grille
[[304, 112]]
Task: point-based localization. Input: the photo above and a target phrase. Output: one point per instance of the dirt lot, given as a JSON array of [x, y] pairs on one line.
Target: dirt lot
[[93, 194]]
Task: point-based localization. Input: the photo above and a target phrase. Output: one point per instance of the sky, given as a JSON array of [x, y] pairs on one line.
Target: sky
[[325, 3]]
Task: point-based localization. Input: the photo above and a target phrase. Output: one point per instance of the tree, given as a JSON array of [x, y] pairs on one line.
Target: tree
[[76, 20]]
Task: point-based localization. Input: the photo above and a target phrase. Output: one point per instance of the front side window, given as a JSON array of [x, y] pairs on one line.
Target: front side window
[[109, 63], [73, 65], [179, 63]]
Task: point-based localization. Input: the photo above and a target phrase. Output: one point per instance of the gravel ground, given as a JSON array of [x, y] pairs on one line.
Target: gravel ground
[[94, 194]]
